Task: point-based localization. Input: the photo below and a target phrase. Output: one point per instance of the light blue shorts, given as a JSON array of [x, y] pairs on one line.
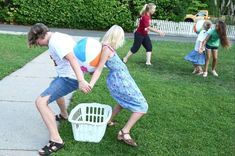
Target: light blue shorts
[[60, 87]]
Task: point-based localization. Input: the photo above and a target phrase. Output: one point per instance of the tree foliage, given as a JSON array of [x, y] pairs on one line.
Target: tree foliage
[[224, 9], [196, 5]]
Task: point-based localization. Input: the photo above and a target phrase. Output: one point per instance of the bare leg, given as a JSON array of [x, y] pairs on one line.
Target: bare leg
[[116, 110], [215, 56], [214, 62], [131, 122], [208, 55], [194, 69], [148, 58], [48, 118], [128, 55], [124, 134], [63, 110], [199, 70]]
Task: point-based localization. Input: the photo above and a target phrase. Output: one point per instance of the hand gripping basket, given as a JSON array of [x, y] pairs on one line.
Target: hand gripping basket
[[89, 121]]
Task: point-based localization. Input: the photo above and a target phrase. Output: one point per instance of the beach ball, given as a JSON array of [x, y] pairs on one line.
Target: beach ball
[[88, 52], [198, 26]]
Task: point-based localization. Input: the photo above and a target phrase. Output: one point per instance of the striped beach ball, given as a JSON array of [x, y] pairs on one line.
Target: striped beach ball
[[88, 52]]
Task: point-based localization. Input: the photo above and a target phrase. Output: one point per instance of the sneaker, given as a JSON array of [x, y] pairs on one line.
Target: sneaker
[[205, 74], [214, 73], [148, 64], [124, 60]]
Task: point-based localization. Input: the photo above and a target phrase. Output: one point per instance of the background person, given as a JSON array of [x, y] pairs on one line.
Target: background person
[[216, 36], [141, 36]]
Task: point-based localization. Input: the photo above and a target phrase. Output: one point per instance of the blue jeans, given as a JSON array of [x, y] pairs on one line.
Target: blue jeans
[[60, 87]]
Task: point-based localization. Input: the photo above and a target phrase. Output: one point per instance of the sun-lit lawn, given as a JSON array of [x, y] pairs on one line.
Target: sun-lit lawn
[[15, 53], [188, 114]]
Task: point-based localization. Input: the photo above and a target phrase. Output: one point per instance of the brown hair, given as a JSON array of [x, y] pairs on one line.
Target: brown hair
[[221, 29], [37, 31]]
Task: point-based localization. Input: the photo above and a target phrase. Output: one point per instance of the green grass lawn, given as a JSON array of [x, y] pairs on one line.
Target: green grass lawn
[[15, 53], [188, 114]]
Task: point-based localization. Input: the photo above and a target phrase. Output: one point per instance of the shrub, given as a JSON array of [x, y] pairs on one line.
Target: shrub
[[82, 14]]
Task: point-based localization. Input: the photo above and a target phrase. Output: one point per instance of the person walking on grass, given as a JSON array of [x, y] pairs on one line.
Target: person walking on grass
[[197, 56], [70, 78], [121, 85], [216, 36], [141, 36]]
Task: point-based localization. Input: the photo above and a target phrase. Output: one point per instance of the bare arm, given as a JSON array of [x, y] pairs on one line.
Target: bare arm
[[203, 43], [161, 33], [104, 57], [201, 48], [83, 84]]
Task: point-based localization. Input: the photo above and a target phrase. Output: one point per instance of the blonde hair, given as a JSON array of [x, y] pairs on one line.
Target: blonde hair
[[207, 24], [114, 37], [147, 8]]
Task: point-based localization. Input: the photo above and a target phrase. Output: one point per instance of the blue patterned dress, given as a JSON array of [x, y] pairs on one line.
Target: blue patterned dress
[[194, 56], [122, 87]]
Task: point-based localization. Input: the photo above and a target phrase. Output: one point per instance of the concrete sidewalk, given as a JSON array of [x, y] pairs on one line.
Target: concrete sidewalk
[[22, 130]]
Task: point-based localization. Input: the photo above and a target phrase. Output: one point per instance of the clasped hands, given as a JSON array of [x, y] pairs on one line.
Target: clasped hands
[[85, 87]]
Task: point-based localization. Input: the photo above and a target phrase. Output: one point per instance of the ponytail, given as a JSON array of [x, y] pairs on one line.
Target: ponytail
[[143, 10], [147, 8]]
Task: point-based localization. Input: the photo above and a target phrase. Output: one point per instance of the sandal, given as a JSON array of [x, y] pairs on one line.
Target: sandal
[[112, 123], [50, 148], [59, 117], [130, 141]]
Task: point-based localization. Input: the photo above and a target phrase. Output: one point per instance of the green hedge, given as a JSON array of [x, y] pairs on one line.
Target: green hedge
[[82, 14], [91, 14]]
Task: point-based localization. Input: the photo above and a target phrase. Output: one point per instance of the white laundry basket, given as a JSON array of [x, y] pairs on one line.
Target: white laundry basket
[[89, 121]]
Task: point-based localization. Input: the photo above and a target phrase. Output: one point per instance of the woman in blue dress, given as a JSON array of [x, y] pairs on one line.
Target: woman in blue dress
[[121, 85]]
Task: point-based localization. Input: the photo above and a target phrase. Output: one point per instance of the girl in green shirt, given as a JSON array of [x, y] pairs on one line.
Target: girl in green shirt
[[216, 36]]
